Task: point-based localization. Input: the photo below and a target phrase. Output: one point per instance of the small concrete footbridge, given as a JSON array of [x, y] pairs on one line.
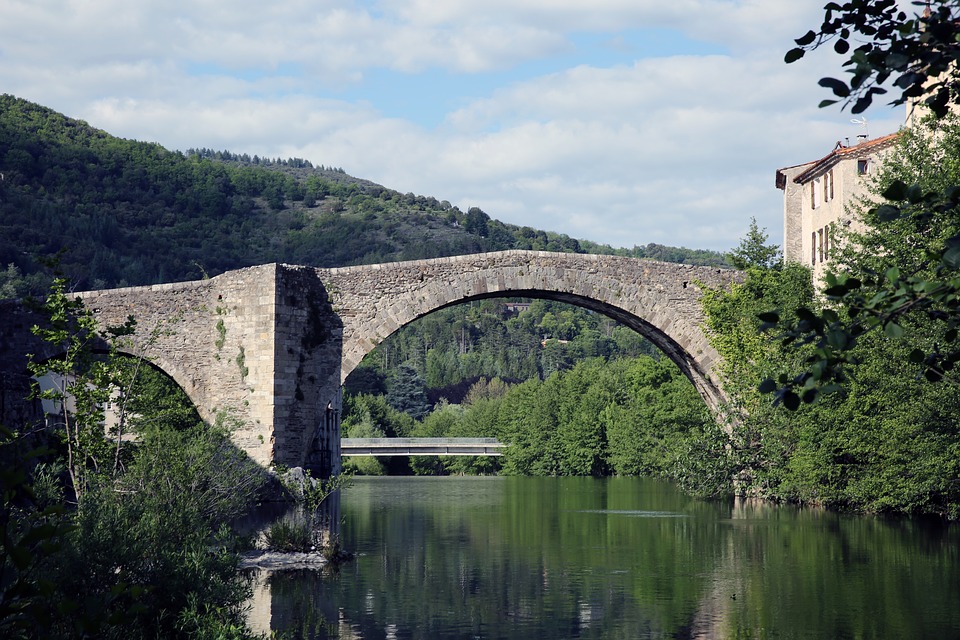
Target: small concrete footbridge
[[421, 447], [272, 344]]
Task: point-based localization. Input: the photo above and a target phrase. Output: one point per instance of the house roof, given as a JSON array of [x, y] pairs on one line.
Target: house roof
[[840, 152], [782, 174]]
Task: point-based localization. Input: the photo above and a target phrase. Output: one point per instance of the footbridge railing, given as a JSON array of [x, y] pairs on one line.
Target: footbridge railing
[[421, 447]]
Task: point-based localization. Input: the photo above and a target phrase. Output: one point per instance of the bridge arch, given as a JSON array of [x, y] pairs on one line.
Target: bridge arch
[[17, 341], [693, 368], [660, 301]]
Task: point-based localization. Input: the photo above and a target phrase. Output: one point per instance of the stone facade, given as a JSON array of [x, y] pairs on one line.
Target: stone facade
[[817, 199], [271, 345]]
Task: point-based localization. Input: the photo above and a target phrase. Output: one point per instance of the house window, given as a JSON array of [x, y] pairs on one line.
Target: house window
[[830, 180], [815, 192], [862, 165], [826, 242], [820, 245], [813, 248]]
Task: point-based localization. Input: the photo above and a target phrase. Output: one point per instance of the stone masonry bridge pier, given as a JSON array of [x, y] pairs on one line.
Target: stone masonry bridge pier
[[273, 344]]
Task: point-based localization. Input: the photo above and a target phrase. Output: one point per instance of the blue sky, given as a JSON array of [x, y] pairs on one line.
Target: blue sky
[[618, 121], [415, 97]]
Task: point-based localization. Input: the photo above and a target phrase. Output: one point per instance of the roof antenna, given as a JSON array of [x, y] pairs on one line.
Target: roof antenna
[[861, 137]]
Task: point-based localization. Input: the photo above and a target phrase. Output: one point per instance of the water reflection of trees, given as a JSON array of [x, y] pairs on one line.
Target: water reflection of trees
[[571, 557]]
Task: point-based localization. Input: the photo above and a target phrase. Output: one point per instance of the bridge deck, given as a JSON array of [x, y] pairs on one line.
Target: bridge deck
[[420, 447]]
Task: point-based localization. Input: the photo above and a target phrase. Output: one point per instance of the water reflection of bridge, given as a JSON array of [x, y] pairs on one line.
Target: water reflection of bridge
[[420, 447]]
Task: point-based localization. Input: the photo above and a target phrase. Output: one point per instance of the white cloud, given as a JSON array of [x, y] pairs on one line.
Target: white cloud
[[675, 149]]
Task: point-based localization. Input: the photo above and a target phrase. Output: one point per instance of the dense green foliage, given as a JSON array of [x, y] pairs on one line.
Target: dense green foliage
[[633, 416], [29, 534], [626, 417], [146, 553], [126, 213], [888, 444]]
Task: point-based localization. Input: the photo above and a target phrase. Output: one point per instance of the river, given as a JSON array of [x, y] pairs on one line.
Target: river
[[497, 557]]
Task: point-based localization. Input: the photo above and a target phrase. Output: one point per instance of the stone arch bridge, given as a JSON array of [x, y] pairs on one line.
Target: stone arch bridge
[[274, 343]]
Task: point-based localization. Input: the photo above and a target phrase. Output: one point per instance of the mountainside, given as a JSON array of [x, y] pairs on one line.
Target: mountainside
[[122, 212]]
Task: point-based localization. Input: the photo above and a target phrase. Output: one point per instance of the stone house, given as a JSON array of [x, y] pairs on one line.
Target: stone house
[[817, 196]]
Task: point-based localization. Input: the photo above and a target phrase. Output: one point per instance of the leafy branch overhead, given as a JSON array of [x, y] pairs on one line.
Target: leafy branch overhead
[[919, 53], [834, 336]]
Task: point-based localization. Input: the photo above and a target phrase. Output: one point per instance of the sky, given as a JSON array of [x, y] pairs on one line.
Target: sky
[[625, 122]]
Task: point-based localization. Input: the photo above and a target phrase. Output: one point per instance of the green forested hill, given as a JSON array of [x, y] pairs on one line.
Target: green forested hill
[[124, 212]]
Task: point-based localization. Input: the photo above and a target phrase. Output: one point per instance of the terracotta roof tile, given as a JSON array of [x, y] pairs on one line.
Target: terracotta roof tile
[[840, 151]]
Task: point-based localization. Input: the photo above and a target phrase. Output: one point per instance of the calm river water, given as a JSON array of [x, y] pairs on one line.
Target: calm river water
[[613, 558]]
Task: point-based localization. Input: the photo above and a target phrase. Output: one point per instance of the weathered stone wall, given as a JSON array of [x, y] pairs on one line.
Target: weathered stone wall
[[792, 214], [308, 347], [271, 345], [215, 338]]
